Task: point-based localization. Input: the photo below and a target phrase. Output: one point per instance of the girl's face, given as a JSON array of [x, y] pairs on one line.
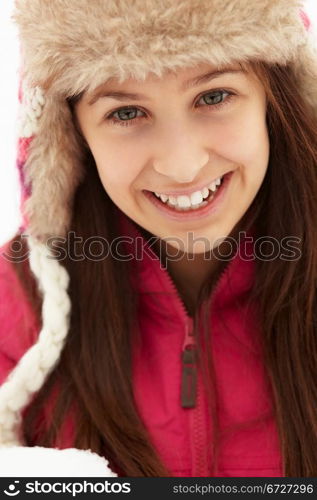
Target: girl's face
[[175, 136]]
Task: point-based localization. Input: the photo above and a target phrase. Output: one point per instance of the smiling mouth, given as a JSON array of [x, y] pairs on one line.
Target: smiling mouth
[[183, 203]]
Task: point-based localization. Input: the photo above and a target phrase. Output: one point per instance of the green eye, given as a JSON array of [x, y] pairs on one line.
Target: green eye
[[214, 98], [129, 115], [125, 114]]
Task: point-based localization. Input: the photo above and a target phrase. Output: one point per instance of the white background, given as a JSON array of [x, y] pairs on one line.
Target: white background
[[9, 63]]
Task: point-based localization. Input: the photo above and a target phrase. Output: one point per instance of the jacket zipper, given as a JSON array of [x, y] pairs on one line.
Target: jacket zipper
[[189, 354], [191, 396], [189, 367]]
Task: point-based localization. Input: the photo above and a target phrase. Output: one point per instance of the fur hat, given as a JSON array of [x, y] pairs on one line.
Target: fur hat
[[72, 47]]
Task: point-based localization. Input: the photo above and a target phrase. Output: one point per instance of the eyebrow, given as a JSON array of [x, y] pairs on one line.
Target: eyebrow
[[193, 82]]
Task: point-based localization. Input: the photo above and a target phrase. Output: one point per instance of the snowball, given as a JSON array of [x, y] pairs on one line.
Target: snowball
[[22, 461]]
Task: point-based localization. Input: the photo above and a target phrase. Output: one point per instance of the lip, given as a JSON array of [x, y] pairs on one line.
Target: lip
[[191, 190], [199, 213]]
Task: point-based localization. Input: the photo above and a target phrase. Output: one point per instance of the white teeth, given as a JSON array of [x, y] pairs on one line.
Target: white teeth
[[205, 192], [164, 197], [183, 201], [172, 200], [194, 200], [213, 185]]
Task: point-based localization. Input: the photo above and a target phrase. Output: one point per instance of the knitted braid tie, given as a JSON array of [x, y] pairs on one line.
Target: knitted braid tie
[[37, 363], [33, 101]]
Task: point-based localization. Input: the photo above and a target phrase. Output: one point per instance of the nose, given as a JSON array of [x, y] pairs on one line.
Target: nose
[[180, 157]]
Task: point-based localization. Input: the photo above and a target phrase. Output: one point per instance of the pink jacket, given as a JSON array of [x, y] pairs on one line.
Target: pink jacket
[[249, 444]]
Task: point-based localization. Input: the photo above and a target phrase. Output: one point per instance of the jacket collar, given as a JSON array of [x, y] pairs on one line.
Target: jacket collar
[[150, 276]]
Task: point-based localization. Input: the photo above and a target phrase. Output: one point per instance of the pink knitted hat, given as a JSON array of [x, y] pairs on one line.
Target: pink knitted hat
[[72, 47]]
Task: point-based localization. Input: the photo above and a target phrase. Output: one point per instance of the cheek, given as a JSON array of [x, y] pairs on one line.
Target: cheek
[[117, 164], [244, 141]]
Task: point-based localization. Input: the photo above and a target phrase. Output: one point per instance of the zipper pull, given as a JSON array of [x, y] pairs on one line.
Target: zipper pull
[[189, 377], [189, 369]]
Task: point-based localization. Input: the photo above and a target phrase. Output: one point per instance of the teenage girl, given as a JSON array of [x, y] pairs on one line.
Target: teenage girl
[[158, 304]]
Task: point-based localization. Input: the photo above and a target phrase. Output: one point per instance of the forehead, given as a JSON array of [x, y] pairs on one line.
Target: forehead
[[185, 78]]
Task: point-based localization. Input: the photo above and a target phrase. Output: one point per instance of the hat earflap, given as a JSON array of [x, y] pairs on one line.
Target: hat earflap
[[54, 162]]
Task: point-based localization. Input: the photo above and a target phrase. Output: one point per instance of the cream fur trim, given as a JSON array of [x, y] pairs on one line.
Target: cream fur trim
[[34, 367], [54, 168], [69, 47]]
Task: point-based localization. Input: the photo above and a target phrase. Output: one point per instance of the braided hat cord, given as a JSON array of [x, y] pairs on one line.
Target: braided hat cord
[[34, 367]]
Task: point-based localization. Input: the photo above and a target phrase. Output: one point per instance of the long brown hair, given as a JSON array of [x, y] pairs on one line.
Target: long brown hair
[[94, 372]]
